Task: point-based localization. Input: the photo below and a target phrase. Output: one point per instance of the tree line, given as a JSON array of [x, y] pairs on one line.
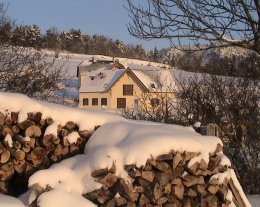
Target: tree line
[[73, 41]]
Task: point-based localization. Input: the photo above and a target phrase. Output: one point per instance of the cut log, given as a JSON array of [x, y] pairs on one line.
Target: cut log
[[213, 189], [212, 201], [64, 132], [14, 117], [163, 166], [32, 143], [73, 148], [25, 124], [1, 148], [2, 176], [37, 155], [192, 193], [17, 145], [65, 151], [5, 156], [49, 121], [33, 131], [120, 201], [48, 140], [26, 148], [178, 190], [70, 125], [2, 119], [99, 172], [19, 155], [80, 141], [84, 133], [53, 158], [148, 175], [58, 150], [20, 168], [157, 191], [8, 120], [176, 160], [108, 180], [9, 171], [6, 130], [15, 129], [35, 117], [165, 157]]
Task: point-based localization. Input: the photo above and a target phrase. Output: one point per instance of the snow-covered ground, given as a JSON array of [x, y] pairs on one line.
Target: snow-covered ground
[[254, 200], [117, 141]]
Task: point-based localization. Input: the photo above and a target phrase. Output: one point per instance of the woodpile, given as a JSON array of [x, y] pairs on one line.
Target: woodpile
[[167, 181], [24, 148]]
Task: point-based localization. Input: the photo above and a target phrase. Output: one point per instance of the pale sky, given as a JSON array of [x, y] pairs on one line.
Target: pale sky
[[102, 17]]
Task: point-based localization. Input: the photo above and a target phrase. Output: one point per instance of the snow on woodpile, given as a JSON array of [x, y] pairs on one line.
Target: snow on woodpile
[[7, 201], [11, 102], [34, 135], [130, 163], [144, 164]]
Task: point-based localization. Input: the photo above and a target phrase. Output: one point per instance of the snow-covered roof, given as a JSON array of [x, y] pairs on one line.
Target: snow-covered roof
[[100, 77], [155, 80], [100, 80]]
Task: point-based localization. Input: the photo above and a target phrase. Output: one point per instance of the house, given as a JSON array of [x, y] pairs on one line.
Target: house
[[109, 84]]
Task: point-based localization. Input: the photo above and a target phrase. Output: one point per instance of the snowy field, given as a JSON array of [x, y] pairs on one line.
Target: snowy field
[[254, 200]]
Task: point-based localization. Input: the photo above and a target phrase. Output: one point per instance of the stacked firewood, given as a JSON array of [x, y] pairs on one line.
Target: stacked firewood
[[165, 181], [24, 147]]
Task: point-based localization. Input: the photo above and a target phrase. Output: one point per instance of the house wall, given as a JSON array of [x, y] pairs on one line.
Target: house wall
[[94, 95], [117, 91]]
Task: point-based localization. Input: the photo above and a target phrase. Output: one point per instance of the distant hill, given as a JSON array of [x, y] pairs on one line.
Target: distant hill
[[228, 61]]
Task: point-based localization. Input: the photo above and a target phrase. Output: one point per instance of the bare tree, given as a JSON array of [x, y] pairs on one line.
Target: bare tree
[[234, 105], [24, 70], [208, 23], [155, 105]]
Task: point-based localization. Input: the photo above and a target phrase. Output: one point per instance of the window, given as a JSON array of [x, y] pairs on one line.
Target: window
[[121, 103], [94, 101], [155, 102], [85, 101], [127, 90], [103, 101]]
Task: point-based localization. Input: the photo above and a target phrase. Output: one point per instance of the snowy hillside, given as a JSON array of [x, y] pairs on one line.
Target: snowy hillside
[[70, 61], [118, 142]]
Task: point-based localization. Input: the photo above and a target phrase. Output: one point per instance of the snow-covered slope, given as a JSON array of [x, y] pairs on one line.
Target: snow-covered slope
[[70, 61]]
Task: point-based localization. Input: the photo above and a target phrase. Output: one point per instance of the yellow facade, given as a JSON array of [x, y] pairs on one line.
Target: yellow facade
[[115, 92]]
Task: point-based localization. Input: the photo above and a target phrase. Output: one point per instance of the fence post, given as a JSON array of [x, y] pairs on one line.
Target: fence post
[[209, 130]]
